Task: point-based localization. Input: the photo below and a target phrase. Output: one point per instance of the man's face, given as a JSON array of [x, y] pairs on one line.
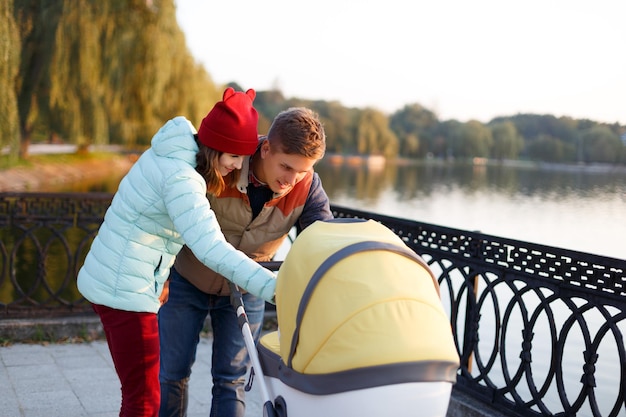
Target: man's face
[[281, 171]]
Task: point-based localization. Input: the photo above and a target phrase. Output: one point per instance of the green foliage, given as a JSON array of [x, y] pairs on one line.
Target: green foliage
[[547, 148], [268, 103], [414, 125], [340, 125], [374, 136], [99, 72], [600, 144], [507, 142], [112, 72], [471, 139], [9, 68], [442, 145]]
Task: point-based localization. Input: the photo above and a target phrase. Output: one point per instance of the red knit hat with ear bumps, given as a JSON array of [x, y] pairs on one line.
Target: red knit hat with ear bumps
[[231, 126]]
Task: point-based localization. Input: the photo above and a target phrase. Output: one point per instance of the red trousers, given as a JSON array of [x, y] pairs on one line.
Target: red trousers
[[133, 340]]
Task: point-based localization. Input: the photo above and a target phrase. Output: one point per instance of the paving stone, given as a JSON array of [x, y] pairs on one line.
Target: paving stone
[[79, 380]]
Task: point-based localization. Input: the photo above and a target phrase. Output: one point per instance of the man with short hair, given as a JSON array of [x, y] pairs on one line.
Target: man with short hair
[[278, 189]]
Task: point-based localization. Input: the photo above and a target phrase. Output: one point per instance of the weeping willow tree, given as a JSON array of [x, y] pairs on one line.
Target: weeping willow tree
[[374, 137], [9, 67], [99, 72], [149, 72]]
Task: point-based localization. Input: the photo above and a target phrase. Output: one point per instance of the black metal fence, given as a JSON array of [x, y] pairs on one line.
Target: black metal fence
[[540, 330]]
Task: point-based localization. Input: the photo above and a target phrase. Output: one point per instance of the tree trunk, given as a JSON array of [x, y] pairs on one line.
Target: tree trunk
[[25, 144]]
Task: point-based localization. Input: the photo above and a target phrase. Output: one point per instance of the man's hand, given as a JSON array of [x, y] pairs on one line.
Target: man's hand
[[165, 294]]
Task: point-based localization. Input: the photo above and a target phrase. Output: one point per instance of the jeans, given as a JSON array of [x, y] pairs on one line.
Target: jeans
[[134, 346], [181, 320]]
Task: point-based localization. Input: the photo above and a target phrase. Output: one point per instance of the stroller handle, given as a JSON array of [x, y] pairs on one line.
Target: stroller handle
[[271, 265]]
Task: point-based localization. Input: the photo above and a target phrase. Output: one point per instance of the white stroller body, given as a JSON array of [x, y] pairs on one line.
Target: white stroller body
[[362, 331]]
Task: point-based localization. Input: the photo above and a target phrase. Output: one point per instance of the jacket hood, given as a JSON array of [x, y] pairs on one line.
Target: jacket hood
[[175, 140]]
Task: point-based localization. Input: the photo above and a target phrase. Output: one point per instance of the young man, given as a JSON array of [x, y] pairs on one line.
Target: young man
[[277, 190]]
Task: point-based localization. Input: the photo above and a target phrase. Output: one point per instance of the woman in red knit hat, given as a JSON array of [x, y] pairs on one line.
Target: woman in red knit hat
[[160, 205]]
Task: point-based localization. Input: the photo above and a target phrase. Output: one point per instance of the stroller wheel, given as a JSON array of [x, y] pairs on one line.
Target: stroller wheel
[[280, 406]]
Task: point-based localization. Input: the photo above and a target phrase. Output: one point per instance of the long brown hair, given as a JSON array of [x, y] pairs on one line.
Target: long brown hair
[[207, 161]]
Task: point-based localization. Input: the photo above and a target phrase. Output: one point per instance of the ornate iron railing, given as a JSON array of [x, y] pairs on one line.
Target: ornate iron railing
[[539, 329], [44, 238]]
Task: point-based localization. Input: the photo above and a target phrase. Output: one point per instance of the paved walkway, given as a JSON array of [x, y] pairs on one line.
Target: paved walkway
[[78, 380]]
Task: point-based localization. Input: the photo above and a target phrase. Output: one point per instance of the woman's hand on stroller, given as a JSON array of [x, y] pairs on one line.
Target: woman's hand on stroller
[[165, 294]]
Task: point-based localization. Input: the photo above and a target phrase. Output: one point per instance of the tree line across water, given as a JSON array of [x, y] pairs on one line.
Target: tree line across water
[[92, 72]]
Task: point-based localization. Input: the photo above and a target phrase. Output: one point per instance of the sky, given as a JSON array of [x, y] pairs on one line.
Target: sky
[[463, 60]]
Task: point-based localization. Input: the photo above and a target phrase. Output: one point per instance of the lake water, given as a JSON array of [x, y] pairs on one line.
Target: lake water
[[582, 210], [571, 208]]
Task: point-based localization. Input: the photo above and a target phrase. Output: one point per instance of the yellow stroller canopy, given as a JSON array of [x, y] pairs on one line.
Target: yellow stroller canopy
[[353, 299]]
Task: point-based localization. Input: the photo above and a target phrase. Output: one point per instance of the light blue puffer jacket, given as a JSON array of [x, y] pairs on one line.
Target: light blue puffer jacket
[[160, 205]]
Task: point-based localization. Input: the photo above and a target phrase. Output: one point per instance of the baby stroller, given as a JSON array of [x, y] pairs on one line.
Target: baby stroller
[[361, 329]]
